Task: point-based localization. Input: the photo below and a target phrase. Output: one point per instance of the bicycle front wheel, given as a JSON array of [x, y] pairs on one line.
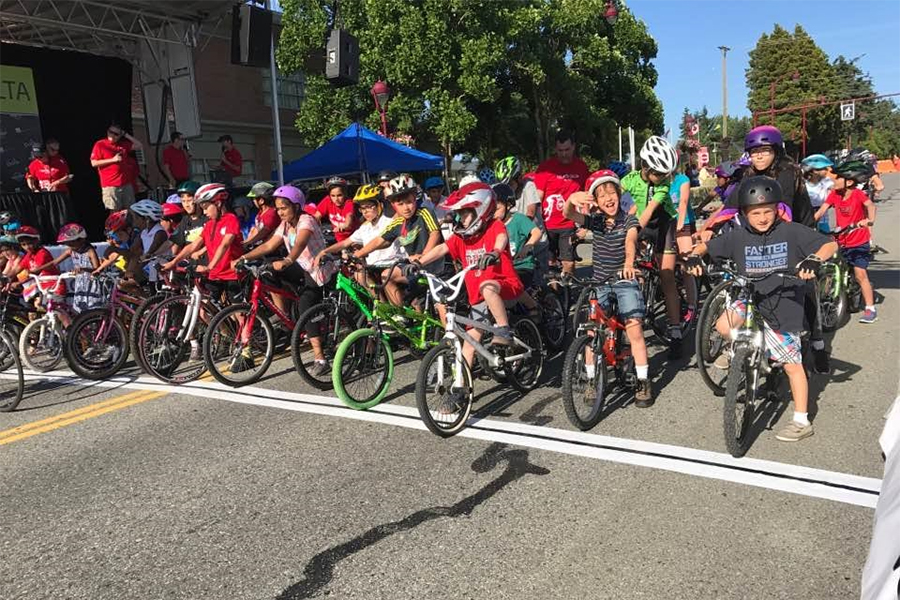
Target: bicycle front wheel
[[41, 345], [555, 319], [96, 344], [444, 391], [525, 372], [164, 349], [585, 383], [363, 369], [315, 340], [741, 398], [709, 344], [137, 320], [238, 349], [12, 377]]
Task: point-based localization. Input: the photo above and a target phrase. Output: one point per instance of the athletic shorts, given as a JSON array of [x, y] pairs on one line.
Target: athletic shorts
[[781, 346], [117, 197], [231, 290], [561, 244], [526, 276], [629, 300], [858, 256], [480, 312]]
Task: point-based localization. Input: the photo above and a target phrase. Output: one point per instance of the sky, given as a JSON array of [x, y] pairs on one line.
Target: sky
[[689, 33]]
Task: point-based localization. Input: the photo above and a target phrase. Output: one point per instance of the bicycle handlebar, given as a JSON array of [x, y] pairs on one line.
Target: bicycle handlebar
[[455, 284]]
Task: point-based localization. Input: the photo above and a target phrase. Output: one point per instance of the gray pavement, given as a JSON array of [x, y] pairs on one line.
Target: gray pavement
[[189, 496]]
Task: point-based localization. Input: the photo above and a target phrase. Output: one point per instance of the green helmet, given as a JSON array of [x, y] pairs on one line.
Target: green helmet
[[188, 187], [507, 169]]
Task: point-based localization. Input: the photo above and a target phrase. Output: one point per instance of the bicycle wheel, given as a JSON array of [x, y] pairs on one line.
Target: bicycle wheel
[[330, 324], [162, 353], [41, 345], [523, 374], [708, 343], [657, 315], [137, 320], [584, 398], [96, 344], [12, 377], [363, 369], [434, 387], [237, 352], [554, 320], [741, 397]]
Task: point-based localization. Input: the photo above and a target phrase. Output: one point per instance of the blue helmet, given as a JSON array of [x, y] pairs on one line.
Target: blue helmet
[[433, 182], [620, 168], [487, 175], [817, 161]]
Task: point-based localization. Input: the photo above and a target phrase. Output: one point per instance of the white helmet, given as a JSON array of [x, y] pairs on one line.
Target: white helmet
[[659, 155], [211, 192], [479, 197], [147, 208], [400, 186], [470, 178]]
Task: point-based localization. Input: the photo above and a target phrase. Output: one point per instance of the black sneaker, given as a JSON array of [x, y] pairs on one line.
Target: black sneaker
[[822, 362], [643, 394], [452, 403], [675, 348]]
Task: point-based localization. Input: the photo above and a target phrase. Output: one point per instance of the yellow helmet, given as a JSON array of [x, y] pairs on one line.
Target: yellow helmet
[[368, 192]]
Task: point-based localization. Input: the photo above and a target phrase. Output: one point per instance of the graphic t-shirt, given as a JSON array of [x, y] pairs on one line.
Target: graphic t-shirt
[[556, 191], [367, 232], [848, 211], [468, 250], [46, 172], [344, 217], [266, 218], [519, 229], [212, 233], [113, 174], [576, 170], [413, 234], [315, 243], [188, 230], [32, 260]]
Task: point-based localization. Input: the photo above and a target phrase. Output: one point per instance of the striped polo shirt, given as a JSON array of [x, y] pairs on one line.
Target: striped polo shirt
[[609, 243]]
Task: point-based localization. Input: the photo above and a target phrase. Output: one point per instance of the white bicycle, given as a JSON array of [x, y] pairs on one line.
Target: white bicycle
[[43, 342]]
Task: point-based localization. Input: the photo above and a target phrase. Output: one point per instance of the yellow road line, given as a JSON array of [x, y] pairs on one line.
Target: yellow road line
[[76, 416]]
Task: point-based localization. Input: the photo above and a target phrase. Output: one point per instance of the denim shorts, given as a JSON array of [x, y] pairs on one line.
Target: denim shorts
[[628, 297], [858, 256]]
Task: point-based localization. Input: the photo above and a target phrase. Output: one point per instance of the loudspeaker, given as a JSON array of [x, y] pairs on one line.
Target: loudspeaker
[[251, 35], [342, 59]]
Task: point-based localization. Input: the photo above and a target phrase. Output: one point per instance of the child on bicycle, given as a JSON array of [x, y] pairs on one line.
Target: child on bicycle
[[335, 207], [766, 245], [415, 228], [524, 235], [266, 220], [191, 225], [368, 200], [36, 260], [852, 206], [10, 257], [615, 233], [87, 291]]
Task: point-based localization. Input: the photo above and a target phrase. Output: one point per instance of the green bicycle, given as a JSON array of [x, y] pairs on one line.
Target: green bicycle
[[363, 366]]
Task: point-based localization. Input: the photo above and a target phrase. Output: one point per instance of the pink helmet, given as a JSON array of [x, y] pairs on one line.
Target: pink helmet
[[71, 232], [291, 194]]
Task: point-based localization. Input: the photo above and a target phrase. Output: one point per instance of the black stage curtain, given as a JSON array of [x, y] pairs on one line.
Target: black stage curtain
[[47, 211], [79, 95]]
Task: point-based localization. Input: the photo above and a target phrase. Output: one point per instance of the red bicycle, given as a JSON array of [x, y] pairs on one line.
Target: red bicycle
[[600, 350], [239, 344]]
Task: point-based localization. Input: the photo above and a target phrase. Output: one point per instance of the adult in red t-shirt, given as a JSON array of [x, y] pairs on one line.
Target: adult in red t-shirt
[[231, 160], [565, 164], [110, 156], [553, 192], [176, 160], [49, 172], [339, 209]]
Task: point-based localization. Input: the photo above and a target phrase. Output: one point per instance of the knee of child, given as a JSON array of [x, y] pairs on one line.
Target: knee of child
[[795, 370], [489, 287]]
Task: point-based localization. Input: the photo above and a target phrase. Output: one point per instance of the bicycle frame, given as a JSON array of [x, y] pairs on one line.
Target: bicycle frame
[[117, 301], [260, 293]]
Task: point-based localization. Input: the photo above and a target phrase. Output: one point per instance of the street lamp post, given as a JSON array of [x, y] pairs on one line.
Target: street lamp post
[[611, 13], [795, 76], [382, 94]]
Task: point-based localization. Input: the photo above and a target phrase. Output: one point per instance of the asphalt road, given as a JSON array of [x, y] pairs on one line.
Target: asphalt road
[[277, 491]]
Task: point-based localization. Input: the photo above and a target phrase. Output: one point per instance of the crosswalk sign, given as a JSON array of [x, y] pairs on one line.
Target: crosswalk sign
[[848, 112]]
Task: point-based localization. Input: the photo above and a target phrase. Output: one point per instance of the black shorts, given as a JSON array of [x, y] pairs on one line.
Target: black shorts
[[526, 276], [660, 230], [560, 241], [230, 291]]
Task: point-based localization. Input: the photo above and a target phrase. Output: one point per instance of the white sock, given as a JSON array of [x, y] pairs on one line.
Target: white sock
[[818, 344], [642, 371], [590, 369], [195, 343], [801, 417], [872, 308]]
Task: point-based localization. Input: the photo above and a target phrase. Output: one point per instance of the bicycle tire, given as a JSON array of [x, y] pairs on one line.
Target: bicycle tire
[[442, 356], [76, 348], [213, 339], [134, 331], [740, 380], [834, 309], [554, 320], [335, 323], [656, 308], [704, 344], [157, 327], [54, 354], [355, 350], [12, 375], [574, 372], [524, 374]]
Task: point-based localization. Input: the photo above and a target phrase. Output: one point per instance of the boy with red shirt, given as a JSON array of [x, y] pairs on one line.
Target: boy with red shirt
[[36, 260], [341, 213], [553, 192], [852, 207]]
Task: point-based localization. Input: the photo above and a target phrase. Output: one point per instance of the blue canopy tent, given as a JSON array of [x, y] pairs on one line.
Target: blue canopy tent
[[360, 150]]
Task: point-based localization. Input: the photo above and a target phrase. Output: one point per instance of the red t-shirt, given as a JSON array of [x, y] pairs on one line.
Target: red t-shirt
[[556, 191], [42, 257], [576, 170], [56, 168], [113, 174], [235, 158], [848, 212], [467, 251], [344, 216], [177, 159], [212, 235], [267, 218], [310, 209]]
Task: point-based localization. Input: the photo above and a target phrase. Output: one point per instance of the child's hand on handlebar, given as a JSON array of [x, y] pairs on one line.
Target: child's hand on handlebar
[[629, 272], [809, 267]]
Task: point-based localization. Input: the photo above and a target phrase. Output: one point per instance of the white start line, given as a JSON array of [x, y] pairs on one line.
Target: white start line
[[793, 479]]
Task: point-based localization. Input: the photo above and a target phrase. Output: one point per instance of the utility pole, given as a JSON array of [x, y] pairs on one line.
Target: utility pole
[[724, 50]]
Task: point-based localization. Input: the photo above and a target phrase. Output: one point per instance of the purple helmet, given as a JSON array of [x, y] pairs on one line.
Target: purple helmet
[[290, 193], [744, 160], [726, 169], [764, 135]]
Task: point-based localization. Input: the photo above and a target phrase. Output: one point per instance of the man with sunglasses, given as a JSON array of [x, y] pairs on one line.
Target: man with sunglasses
[[48, 172], [109, 156]]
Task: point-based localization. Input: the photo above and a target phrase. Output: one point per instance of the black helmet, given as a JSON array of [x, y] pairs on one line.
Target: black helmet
[[504, 193], [757, 190], [856, 170], [386, 176]]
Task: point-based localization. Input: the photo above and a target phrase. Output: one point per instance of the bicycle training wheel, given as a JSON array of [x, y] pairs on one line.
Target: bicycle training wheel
[[162, 350], [41, 346], [238, 351], [708, 343], [96, 344], [12, 377], [363, 369], [584, 396], [741, 398], [328, 325], [444, 403], [524, 373]]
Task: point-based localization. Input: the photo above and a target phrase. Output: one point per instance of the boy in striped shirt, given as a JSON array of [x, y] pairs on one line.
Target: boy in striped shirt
[[615, 235]]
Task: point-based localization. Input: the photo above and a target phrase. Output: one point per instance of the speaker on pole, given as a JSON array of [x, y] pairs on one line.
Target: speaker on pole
[[342, 59], [251, 35]]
